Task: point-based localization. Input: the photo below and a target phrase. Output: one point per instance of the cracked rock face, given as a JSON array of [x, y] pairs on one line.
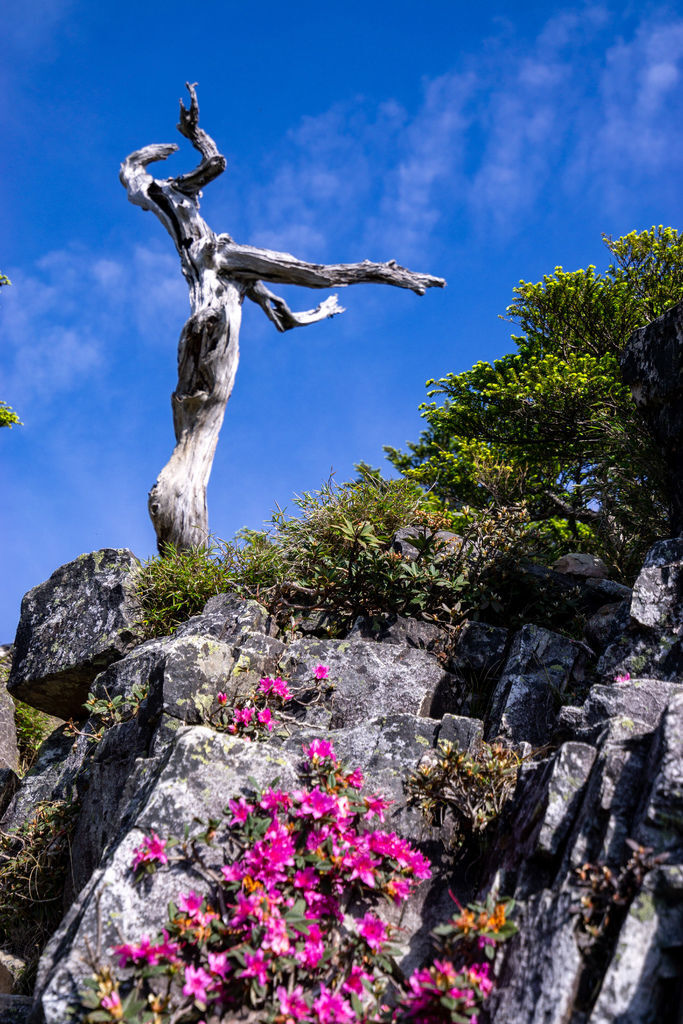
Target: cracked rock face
[[605, 771], [71, 627]]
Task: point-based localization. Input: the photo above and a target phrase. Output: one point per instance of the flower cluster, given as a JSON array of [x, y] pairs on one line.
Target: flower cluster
[[252, 718], [457, 983], [275, 933]]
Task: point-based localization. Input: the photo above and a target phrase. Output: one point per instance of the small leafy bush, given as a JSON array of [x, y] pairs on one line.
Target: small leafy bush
[[32, 726], [105, 712], [335, 557], [473, 787], [34, 865]]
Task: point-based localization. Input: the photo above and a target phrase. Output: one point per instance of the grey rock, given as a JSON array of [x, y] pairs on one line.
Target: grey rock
[[645, 967], [613, 794], [542, 967], [661, 826], [10, 969], [71, 627], [644, 700], [397, 629], [229, 618], [657, 601], [477, 660], [51, 778], [184, 674], [370, 679], [576, 563], [652, 365], [9, 780], [605, 625], [646, 653], [9, 752], [569, 771], [15, 1009], [539, 668], [467, 733], [597, 592]]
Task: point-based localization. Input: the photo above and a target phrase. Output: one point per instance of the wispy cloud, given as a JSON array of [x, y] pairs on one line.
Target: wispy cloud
[[591, 106], [61, 318]]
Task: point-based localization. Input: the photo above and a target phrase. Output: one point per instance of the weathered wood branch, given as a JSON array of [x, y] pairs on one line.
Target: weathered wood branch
[[277, 310], [220, 273]]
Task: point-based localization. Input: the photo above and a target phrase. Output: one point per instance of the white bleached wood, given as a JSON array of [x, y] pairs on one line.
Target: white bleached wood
[[220, 273]]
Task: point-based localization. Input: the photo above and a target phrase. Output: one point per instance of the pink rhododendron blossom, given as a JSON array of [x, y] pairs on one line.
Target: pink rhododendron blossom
[[376, 806], [321, 671], [218, 963], [222, 698], [277, 686], [479, 974], [255, 967], [196, 981], [271, 799], [292, 1005], [332, 1008], [373, 931], [320, 749], [623, 677], [355, 779], [232, 872], [151, 849], [354, 980], [265, 718], [190, 902], [111, 1002], [240, 810], [317, 804]]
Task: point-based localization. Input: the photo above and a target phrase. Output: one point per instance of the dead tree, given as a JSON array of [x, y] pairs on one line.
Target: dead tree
[[220, 273]]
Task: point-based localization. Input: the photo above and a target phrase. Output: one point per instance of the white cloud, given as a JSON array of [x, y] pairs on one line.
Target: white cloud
[[590, 107], [60, 318]]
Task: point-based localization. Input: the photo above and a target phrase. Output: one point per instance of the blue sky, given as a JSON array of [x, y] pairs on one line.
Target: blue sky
[[482, 143]]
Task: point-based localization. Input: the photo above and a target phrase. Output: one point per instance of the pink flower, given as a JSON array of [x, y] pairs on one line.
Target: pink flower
[[622, 677], [320, 749], [232, 872], [150, 850], [354, 980], [293, 1006], [376, 805], [255, 967], [264, 718], [331, 1008], [218, 963], [362, 866], [321, 671], [355, 779], [373, 931], [274, 798], [190, 903], [277, 686], [196, 981], [222, 698], [240, 810], [317, 804], [111, 1002]]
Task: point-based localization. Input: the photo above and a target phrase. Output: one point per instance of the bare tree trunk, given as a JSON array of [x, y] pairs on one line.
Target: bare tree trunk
[[219, 274]]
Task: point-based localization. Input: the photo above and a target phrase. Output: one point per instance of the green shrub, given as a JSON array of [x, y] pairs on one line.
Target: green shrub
[[472, 786], [34, 865], [32, 727]]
